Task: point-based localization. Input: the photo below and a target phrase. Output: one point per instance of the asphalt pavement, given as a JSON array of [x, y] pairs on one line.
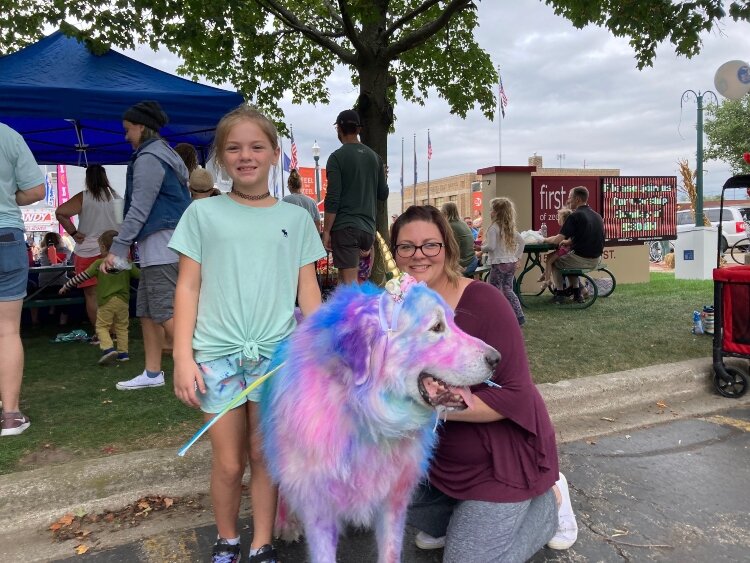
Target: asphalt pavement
[[656, 461]]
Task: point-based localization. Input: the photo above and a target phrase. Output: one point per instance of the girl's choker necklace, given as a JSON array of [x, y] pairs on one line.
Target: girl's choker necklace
[[251, 197]]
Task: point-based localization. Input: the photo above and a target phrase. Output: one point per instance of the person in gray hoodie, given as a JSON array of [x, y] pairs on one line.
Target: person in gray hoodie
[[156, 195]]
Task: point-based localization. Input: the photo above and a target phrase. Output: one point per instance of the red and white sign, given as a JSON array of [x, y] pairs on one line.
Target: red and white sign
[[308, 182], [550, 193], [39, 220], [476, 204]]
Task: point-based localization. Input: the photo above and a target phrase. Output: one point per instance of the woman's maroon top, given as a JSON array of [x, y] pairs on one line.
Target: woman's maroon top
[[513, 459]]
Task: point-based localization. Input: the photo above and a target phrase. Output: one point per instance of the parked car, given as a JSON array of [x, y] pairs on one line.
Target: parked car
[[732, 223]]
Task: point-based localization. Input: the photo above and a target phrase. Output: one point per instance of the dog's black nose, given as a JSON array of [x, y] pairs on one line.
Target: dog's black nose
[[492, 358]]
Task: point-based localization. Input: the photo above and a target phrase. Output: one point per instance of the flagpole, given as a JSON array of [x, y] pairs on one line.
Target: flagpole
[[428, 169], [281, 146], [499, 121], [415, 169], [402, 174]]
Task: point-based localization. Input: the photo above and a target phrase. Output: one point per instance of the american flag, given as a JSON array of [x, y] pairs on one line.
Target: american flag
[[293, 164], [429, 146], [503, 97]]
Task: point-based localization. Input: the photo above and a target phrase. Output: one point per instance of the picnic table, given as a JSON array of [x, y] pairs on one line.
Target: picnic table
[[34, 299], [596, 282]]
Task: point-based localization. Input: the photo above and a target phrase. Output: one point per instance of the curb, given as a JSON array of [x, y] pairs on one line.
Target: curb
[[579, 408]]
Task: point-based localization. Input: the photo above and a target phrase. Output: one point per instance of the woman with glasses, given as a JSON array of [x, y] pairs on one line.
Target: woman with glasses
[[494, 491]]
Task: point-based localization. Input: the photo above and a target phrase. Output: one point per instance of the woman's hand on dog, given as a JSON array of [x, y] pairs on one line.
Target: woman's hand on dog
[[188, 381]]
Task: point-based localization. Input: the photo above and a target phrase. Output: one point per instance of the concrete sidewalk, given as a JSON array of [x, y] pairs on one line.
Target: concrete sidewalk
[[580, 408]]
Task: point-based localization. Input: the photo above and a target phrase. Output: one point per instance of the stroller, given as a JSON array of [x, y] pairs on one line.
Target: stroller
[[731, 314]]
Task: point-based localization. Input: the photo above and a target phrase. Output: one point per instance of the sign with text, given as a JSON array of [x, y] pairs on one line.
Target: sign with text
[[39, 220], [308, 182], [550, 193], [639, 208]]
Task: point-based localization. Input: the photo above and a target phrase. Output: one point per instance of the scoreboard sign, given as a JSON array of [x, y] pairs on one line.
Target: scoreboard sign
[[639, 208]]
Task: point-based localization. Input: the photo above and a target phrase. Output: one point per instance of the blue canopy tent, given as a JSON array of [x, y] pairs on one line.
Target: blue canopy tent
[[68, 102]]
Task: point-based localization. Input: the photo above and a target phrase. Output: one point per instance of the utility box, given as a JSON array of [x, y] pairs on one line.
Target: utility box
[[695, 253]]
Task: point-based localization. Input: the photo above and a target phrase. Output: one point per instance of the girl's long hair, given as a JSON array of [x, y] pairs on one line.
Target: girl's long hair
[[97, 183], [505, 219]]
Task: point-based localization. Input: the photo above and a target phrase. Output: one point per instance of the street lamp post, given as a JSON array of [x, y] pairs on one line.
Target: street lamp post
[[699, 152], [316, 156]]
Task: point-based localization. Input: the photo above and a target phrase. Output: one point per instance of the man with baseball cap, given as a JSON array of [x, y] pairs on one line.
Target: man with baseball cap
[[356, 182]]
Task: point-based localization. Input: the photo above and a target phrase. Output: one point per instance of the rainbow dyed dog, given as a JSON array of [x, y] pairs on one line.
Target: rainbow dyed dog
[[348, 421]]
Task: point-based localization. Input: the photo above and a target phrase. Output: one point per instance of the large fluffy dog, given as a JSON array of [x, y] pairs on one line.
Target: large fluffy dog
[[348, 421]]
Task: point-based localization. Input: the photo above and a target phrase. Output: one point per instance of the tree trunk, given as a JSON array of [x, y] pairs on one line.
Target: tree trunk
[[376, 114]]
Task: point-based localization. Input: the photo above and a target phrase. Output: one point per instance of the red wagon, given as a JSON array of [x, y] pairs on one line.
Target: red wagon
[[731, 315]]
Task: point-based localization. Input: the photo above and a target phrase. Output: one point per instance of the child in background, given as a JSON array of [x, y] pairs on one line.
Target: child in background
[[112, 299], [564, 247], [504, 247], [365, 265], [244, 257]]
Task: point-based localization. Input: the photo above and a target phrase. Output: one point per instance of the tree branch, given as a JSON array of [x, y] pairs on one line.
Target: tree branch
[[333, 13], [315, 35], [396, 25], [422, 34], [349, 28]]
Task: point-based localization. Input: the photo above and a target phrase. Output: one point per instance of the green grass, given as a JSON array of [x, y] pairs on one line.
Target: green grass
[[77, 412], [638, 325]]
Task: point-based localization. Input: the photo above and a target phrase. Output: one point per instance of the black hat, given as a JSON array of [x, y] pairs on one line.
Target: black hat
[[348, 116], [148, 113]]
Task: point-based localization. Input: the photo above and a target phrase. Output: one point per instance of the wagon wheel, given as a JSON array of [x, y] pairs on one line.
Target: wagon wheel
[[733, 389]]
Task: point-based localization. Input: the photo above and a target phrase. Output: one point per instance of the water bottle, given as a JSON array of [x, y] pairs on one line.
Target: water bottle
[[707, 319], [120, 264], [697, 325], [543, 230]]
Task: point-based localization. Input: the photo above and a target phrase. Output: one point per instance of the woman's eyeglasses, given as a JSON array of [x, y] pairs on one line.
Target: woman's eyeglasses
[[429, 249]]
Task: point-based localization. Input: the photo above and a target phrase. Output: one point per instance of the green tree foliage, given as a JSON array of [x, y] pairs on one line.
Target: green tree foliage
[[728, 133]]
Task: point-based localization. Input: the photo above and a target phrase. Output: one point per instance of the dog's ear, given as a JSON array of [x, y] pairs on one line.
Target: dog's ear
[[356, 349]]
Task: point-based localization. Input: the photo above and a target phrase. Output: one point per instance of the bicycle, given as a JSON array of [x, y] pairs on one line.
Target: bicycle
[[740, 248], [656, 250]]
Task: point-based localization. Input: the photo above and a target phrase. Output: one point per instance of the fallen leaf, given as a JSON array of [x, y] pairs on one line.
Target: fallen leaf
[[144, 504], [80, 512], [661, 404], [168, 502], [591, 442], [607, 419], [67, 520], [81, 549], [627, 436], [109, 449], [618, 533], [56, 526]]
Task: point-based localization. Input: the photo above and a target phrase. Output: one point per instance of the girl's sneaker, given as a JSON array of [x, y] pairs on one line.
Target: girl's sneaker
[[122, 357], [224, 552], [265, 554]]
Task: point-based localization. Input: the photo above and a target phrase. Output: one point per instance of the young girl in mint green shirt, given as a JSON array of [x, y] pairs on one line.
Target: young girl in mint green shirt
[[244, 259]]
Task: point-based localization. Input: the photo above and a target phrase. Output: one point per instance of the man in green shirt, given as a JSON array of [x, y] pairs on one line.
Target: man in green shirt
[[356, 182]]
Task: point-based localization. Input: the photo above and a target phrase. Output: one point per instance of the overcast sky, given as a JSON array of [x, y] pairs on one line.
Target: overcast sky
[[576, 93]]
